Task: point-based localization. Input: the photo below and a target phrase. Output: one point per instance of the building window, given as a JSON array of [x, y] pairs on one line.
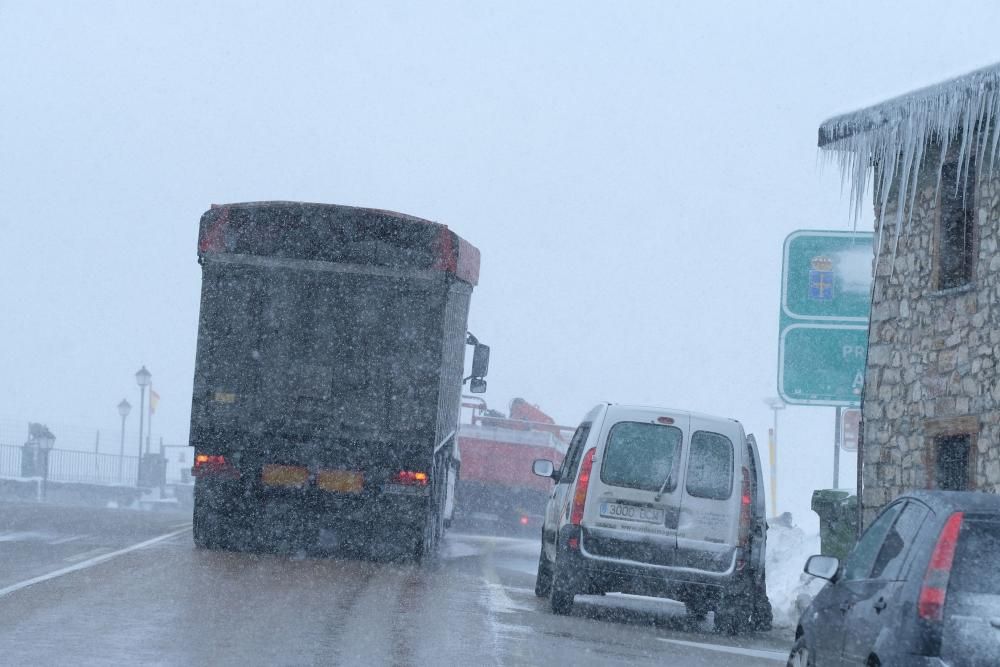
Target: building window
[[952, 462], [950, 452], [956, 225]]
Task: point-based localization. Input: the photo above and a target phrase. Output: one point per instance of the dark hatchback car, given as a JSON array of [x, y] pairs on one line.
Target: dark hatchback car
[[921, 587]]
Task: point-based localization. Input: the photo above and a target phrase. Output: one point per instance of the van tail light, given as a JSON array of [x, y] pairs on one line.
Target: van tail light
[[930, 605], [746, 500], [214, 465], [411, 478], [582, 482]]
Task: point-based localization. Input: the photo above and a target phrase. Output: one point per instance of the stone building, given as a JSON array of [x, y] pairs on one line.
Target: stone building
[[931, 402]]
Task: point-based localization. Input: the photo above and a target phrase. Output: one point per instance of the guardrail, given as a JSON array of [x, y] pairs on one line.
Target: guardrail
[[66, 465], [10, 461]]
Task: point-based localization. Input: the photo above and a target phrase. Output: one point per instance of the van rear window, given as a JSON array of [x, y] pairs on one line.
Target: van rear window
[[710, 466], [640, 455]]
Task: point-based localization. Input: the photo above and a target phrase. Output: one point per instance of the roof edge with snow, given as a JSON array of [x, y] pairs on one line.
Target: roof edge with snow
[[903, 108]]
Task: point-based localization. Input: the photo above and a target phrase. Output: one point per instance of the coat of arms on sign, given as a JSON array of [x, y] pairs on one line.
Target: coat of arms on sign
[[821, 278]]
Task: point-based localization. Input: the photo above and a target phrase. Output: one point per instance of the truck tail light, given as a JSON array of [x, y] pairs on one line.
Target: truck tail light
[[746, 501], [411, 478], [930, 605], [582, 482], [213, 465]]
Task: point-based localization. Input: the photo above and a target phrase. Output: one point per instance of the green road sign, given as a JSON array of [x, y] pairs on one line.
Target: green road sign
[[826, 276], [822, 364], [825, 300]]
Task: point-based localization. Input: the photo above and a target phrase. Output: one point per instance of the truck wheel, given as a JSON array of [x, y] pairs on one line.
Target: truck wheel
[[543, 580], [205, 526], [426, 548], [561, 592]]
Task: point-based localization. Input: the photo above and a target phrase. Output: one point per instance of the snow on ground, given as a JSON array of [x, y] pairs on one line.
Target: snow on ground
[[788, 587]]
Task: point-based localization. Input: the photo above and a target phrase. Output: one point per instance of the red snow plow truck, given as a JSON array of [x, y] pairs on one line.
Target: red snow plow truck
[[496, 489]]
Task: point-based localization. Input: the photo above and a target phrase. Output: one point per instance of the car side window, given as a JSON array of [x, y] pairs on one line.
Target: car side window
[[892, 555], [862, 557], [568, 470]]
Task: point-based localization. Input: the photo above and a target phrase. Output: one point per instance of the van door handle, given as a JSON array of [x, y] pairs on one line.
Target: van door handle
[[880, 605]]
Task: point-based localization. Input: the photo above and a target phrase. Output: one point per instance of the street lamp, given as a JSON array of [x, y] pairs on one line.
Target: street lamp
[[143, 378], [775, 404], [123, 409]]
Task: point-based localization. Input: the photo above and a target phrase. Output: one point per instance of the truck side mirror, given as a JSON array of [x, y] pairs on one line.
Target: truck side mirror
[[477, 385], [480, 361]]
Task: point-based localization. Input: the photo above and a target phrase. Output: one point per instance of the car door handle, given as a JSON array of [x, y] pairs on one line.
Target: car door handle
[[880, 605]]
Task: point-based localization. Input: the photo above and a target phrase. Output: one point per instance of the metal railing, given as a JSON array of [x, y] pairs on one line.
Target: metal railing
[[66, 465], [10, 461], [90, 468]]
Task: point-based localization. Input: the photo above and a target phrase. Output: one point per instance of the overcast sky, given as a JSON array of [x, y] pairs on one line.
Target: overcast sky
[[628, 170]]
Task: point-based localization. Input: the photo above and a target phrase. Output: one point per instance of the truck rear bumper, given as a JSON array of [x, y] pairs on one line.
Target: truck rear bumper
[[298, 510]]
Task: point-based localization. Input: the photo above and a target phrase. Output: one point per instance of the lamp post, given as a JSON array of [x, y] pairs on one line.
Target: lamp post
[[143, 378], [775, 404], [123, 409]]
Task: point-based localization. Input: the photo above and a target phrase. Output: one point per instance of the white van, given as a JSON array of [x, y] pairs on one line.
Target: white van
[[660, 502]]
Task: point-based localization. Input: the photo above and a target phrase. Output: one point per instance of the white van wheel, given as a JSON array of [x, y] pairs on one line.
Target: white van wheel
[[560, 591], [543, 580]]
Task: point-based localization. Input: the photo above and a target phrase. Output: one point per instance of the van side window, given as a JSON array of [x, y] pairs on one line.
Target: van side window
[[640, 455], [710, 466], [568, 471]]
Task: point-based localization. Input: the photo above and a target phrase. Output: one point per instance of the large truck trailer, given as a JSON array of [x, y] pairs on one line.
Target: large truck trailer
[[329, 370]]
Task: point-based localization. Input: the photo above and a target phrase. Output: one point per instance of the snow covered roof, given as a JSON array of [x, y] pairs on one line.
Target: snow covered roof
[[943, 100], [895, 136]]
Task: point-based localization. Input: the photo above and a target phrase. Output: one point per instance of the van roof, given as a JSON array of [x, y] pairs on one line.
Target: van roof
[[654, 409]]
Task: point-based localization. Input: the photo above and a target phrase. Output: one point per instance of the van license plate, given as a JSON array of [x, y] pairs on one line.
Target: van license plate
[[633, 513]]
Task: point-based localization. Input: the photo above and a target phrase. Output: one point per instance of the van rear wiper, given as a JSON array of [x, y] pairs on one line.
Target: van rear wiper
[[666, 483]]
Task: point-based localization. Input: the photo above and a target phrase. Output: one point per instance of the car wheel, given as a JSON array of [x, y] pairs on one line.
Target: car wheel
[[561, 592], [800, 655], [543, 580]]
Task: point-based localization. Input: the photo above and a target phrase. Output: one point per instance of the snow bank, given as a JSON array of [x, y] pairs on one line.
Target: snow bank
[[788, 587]]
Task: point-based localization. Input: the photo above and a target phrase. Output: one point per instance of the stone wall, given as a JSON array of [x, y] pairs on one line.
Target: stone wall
[[932, 355]]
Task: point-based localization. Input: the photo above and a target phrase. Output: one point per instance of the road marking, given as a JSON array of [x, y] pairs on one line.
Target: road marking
[[87, 563], [186, 524], [85, 554], [71, 538], [23, 536], [777, 656]]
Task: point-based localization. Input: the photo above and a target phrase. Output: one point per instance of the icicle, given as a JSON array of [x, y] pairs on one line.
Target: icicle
[[893, 139]]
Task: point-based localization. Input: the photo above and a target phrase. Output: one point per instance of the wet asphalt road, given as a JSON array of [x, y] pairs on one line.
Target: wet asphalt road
[[116, 587]]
